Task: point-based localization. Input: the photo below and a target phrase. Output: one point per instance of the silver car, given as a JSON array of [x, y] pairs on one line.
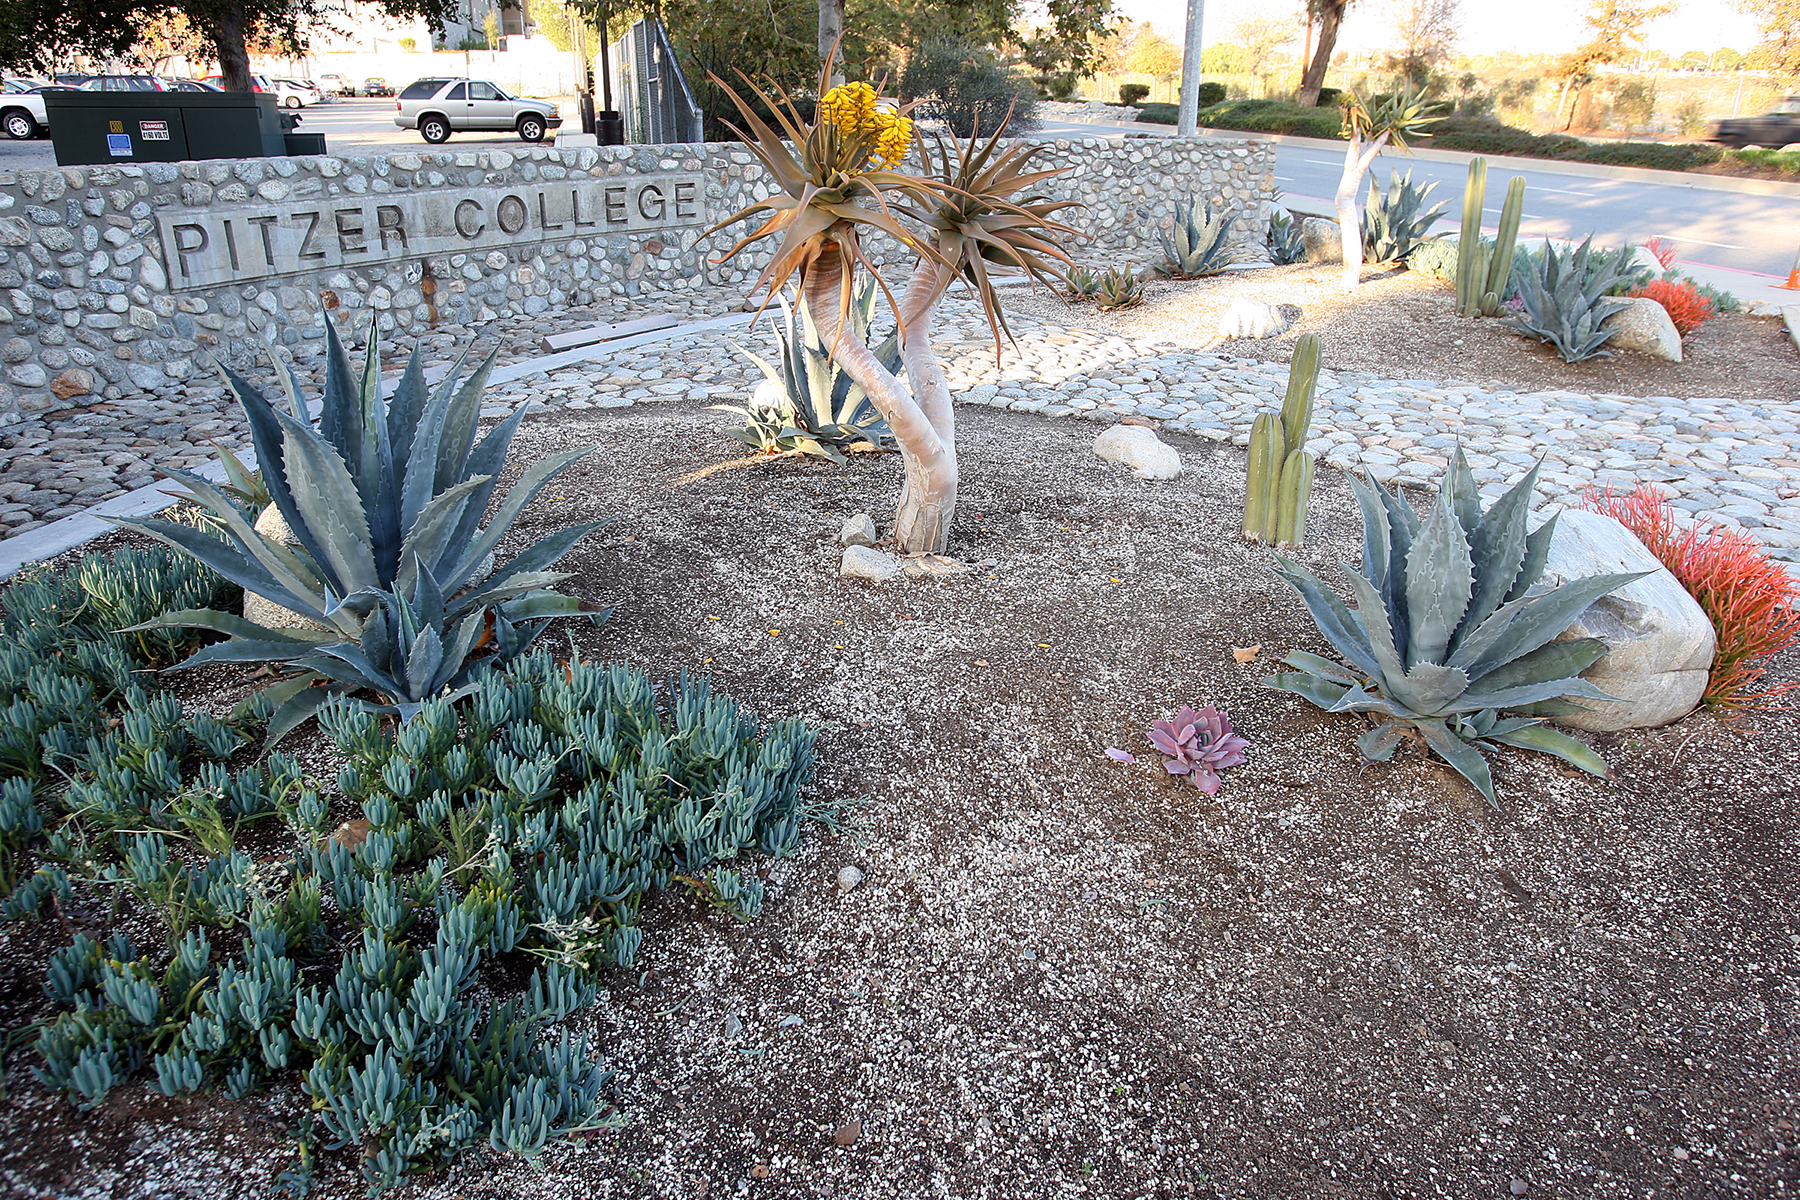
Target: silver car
[[439, 107]]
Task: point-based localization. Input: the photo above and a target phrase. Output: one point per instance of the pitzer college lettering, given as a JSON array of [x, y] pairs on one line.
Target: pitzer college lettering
[[213, 246]]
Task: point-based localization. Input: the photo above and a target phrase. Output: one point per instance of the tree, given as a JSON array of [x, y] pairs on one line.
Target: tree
[[1367, 130], [1153, 54], [972, 210], [1424, 33], [34, 34], [1261, 34], [1329, 14], [831, 35], [1778, 21], [1616, 28]]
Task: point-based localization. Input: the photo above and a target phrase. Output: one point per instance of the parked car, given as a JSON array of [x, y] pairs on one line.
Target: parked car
[[295, 93], [439, 107], [336, 84], [189, 85], [258, 83], [375, 85], [1780, 126], [126, 83], [22, 113]]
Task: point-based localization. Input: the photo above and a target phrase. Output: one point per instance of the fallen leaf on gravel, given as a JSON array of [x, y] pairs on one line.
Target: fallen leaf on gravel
[[1118, 755], [1246, 654], [759, 1171], [847, 1134]]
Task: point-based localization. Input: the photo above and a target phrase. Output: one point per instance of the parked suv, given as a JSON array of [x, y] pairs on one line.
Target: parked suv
[[1780, 126], [439, 107], [22, 112], [126, 83]]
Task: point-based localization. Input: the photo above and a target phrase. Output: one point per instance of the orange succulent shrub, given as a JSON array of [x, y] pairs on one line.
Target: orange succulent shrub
[[1687, 307], [1753, 602]]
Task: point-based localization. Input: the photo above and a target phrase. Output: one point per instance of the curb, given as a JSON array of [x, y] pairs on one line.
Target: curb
[[1790, 316]]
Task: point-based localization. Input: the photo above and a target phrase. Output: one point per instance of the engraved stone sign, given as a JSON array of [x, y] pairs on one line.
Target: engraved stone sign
[[226, 245]]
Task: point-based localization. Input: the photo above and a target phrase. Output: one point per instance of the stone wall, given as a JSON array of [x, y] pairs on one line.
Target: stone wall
[[117, 279]]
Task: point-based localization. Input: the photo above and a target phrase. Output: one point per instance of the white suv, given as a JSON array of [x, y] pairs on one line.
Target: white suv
[[439, 107]]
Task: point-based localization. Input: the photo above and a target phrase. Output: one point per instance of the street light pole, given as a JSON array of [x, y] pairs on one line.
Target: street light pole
[[1189, 116]]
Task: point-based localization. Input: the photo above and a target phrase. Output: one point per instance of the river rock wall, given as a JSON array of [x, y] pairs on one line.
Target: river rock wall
[[118, 280]]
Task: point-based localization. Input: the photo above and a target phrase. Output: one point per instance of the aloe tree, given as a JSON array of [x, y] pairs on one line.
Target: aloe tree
[[1366, 131], [969, 211]]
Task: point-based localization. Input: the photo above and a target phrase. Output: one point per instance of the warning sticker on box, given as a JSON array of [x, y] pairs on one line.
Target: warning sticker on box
[[118, 145], [153, 131]]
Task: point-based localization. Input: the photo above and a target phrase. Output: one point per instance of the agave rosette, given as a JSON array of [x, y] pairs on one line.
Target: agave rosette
[[1452, 629]]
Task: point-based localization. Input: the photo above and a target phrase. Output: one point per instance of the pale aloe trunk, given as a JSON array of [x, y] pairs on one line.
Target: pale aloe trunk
[[921, 415], [1357, 158]]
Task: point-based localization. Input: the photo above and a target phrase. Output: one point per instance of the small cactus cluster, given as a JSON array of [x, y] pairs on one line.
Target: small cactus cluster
[[1120, 287], [1483, 268], [1281, 468], [534, 817]]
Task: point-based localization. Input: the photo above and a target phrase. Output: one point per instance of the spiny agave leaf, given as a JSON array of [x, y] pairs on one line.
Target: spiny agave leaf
[[443, 431], [1360, 699], [1319, 692], [341, 413], [1497, 546], [1429, 689], [294, 712], [330, 505], [1529, 623], [1439, 580], [422, 666], [1537, 555], [228, 560], [535, 477], [1373, 616], [1460, 754], [1557, 660], [266, 439], [427, 597], [230, 624], [462, 415], [1317, 665], [488, 458], [1378, 744], [1340, 627], [246, 650], [1375, 533], [1531, 693], [1549, 741], [1463, 492], [406, 407], [430, 541]]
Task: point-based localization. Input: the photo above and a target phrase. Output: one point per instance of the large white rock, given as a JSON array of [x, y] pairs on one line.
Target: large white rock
[[1323, 240], [1138, 447], [1247, 318], [270, 615], [1644, 328], [857, 531], [863, 562], [1659, 642]]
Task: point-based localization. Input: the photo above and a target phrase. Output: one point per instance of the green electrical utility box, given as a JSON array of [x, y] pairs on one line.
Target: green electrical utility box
[[121, 127]]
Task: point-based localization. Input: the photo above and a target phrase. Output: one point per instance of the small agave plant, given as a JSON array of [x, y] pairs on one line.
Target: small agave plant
[[392, 562], [1196, 245], [1080, 283], [811, 405], [1198, 745], [1451, 630], [1119, 288]]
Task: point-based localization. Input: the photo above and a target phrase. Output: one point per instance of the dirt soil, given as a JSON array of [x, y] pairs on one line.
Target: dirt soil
[[1065, 976], [1401, 324]]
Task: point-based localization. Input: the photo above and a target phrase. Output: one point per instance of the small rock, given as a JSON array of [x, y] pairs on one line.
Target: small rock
[[1148, 456], [1323, 240], [848, 878], [1644, 328], [864, 562], [847, 1135], [1659, 641], [731, 1027], [351, 834], [791, 1022], [858, 531], [918, 566], [1247, 318], [1519, 1187], [72, 382]]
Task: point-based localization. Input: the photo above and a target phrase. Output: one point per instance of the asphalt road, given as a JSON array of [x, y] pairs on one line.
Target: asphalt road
[[1734, 230]]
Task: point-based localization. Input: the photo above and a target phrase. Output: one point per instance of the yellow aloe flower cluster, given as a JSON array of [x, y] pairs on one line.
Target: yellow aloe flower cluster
[[851, 107]]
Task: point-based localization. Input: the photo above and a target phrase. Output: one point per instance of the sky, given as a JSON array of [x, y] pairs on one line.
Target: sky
[[1488, 26]]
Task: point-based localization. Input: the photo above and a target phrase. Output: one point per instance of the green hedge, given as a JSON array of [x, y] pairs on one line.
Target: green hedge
[[1255, 116]]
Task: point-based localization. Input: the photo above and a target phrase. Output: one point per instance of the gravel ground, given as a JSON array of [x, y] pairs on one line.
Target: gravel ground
[[1062, 976]]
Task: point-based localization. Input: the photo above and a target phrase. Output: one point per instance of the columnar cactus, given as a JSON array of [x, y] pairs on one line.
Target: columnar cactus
[[1482, 269], [1281, 468]]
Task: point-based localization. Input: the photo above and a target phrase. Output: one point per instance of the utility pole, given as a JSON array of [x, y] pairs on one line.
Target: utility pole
[[1189, 115]]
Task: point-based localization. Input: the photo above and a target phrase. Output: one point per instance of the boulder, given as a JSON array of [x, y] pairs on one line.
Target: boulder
[[1247, 318], [1148, 456], [858, 531], [1644, 328], [1659, 641], [864, 562], [1323, 240]]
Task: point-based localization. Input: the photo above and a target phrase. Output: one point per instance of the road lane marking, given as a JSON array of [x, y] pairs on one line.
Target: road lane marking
[[1561, 191], [1700, 242]]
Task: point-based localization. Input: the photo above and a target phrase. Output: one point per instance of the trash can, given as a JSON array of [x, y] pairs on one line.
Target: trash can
[[609, 125], [109, 127]]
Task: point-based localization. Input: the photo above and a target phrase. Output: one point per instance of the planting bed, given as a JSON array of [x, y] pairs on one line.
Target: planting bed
[[1061, 975]]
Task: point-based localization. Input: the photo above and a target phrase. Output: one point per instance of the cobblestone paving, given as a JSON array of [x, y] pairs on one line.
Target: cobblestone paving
[[1734, 462]]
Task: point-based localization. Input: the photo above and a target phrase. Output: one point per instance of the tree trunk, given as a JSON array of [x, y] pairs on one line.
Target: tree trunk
[[228, 43], [1331, 15], [831, 32], [1357, 158]]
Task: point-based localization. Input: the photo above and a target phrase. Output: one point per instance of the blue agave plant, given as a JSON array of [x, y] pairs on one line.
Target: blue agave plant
[[385, 501]]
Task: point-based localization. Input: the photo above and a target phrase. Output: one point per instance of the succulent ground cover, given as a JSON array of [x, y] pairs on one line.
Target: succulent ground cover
[[1060, 972]]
